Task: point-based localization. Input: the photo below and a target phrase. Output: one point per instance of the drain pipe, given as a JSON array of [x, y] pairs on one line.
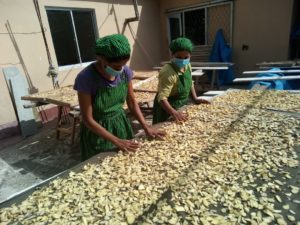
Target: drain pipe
[[137, 15], [132, 19]]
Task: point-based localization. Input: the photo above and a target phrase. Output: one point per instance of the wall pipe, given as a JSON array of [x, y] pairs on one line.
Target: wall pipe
[[132, 19]]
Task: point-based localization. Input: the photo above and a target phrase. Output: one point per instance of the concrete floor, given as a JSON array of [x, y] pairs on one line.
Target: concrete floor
[[28, 161]]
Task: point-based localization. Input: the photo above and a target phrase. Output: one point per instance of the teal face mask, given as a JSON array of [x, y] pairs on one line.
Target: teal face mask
[[181, 62], [113, 72]]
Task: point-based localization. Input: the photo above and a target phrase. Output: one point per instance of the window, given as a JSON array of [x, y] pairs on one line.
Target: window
[[194, 26], [175, 28], [73, 33], [200, 24]]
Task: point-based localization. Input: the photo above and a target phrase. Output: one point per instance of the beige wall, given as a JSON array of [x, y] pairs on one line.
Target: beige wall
[[263, 25], [23, 20], [219, 17]]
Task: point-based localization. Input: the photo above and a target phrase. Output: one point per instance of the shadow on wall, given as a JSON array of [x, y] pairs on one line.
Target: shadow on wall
[[144, 34], [146, 50], [111, 11], [101, 23]]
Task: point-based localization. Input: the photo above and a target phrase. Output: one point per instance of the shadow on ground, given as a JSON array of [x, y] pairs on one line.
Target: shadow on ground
[[26, 162]]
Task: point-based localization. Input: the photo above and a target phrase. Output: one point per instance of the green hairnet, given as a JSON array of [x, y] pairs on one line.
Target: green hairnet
[[113, 46], [181, 44]]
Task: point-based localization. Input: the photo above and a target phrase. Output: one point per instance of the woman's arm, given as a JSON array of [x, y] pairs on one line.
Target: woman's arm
[[196, 99], [193, 93], [178, 116], [135, 109], [85, 102], [166, 82]]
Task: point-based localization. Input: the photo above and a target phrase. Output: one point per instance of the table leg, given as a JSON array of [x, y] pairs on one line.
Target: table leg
[[196, 83], [217, 80], [73, 130], [59, 117], [213, 79]]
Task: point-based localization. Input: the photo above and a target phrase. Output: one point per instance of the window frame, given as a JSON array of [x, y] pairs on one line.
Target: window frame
[[177, 15], [205, 7], [94, 21]]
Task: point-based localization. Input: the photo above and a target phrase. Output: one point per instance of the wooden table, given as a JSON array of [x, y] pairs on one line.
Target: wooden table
[[214, 67], [62, 97], [144, 74], [67, 97], [150, 84], [146, 90], [293, 64], [290, 73]]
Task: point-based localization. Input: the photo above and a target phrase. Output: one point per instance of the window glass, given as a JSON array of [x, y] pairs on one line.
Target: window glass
[[70, 48], [63, 37], [194, 26], [85, 34]]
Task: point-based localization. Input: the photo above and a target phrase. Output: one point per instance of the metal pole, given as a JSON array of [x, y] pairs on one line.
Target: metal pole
[[76, 39], [52, 71]]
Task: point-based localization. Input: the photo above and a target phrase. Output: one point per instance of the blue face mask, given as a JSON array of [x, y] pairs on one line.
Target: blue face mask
[[181, 62], [113, 72]]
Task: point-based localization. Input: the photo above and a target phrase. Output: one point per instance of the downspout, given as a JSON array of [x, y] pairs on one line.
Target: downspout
[[132, 19]]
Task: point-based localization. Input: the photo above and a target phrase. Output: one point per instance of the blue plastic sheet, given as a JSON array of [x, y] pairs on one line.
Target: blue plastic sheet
[[274, 84], [221, 52]]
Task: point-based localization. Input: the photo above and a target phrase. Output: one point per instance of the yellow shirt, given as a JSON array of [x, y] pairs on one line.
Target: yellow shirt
[[168, 81]]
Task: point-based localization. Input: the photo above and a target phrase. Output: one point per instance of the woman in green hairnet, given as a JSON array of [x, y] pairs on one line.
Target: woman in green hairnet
[[103, 87], [175, 84]]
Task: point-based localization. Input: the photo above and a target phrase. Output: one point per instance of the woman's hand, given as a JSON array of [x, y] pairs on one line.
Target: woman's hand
[[126, 145], [180, 117], [155, 133], [201, 101]]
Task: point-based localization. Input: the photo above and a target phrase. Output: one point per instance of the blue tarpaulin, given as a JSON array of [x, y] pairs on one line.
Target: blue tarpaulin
[[273, 84], [221, 52]]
